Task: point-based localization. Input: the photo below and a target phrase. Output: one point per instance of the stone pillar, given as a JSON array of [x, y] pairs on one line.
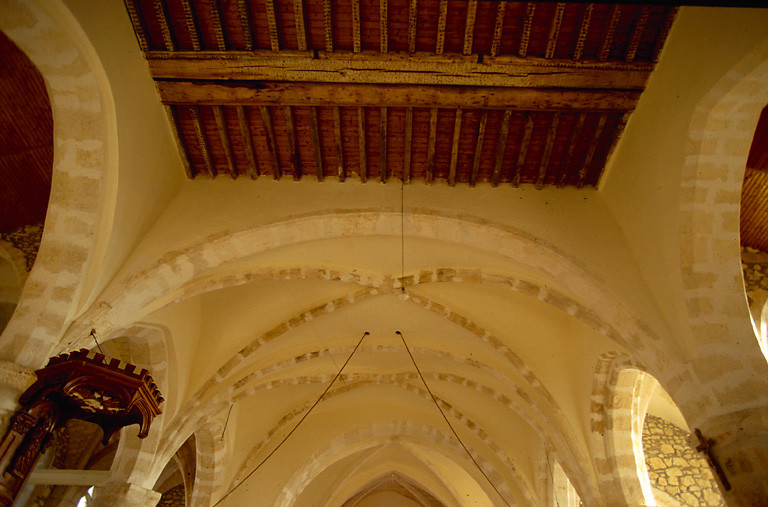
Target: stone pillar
[[14, 380], [740, 445], [123, 494]]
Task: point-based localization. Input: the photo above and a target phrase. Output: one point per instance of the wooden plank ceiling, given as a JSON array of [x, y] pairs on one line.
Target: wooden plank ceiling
[[460, 91], [754, 192], [26, 140]]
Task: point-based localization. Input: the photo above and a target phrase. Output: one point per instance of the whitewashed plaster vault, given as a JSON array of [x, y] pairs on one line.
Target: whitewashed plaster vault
[[530, 312]]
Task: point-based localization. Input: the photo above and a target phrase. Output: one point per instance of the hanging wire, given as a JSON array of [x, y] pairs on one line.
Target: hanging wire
[[93, 335], [402, 233], [434, 400], [297, 424]]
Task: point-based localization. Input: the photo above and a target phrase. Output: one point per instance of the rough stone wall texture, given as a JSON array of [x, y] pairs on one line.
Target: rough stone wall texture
[[755, 266], [27, 240], [676, 468], [174, 497]]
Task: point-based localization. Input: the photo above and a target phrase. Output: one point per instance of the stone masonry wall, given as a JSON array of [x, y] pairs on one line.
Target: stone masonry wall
[[174, 497], [676, 468]]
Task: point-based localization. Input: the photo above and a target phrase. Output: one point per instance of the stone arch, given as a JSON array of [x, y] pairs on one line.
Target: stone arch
[[416, 489], [211, 458], [162, 280], [366, 437], [720, 133], [84, 173], [616, 429], [544, 406], [146, 347]]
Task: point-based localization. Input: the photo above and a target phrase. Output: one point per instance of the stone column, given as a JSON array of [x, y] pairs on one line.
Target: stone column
[[123, 494], [740, 445], [14, 380]]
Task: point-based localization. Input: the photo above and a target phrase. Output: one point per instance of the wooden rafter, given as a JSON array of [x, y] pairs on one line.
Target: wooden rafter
[[551, 135], [408, 143], [221, 125], [191, 21], [383, 26], [431, 144], [572, 143], [412, 21], [501, 146], [245, 132], [138, 25], [592, 147], [583, 31], [478, 148], [328, 24], [316, 143], [637, 32], [162, 17], [245, 22], [356, 43], [469, 27], [524, 143], [441, 23], [663, 35], [423, 69], [301, 30], [455, 148], [266, 118], [339, 143], [498, 28], [205, 151], [361, 143], [274, 39], [293, 147], [383, 145], [338, 94], [554, 30], [525, 36], [609, 34], [218, 27]]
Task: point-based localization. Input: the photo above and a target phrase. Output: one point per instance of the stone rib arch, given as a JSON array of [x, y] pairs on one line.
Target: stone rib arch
[[366, 437], [720, 133], [237, 360], [401, 381], [533, 413], [615, 432], [425, 497], [145, 346], [548, 296], [84, 173], [210, 460], [169, 275]]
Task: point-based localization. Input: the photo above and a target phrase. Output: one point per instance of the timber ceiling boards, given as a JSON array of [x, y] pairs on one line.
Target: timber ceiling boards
[[460, 91], [26, 140], [754, 192]]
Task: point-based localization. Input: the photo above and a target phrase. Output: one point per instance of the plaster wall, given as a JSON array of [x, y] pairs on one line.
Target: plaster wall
[[150, 170], [645, 170]]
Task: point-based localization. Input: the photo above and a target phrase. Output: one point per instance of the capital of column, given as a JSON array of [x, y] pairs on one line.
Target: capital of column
[[123, 494], [740, 445]]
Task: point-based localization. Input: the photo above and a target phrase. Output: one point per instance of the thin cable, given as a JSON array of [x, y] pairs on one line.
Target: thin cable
[[297, 424], [434, 400], [93, 335], [402, 234]]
